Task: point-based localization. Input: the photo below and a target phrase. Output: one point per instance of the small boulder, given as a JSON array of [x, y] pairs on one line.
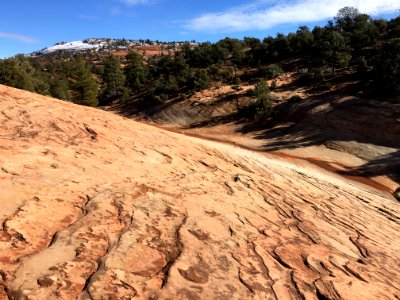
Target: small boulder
[[396, 194]]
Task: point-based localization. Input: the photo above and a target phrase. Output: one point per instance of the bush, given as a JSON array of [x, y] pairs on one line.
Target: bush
[[262, 90], [182, 96], [199, 80], [165, 88], [237, 81], [324, 86], [295, 98], [271, 71], [250, 93], [315, 75], [157, 100], [263, 105], [263, 109], [214, 72]]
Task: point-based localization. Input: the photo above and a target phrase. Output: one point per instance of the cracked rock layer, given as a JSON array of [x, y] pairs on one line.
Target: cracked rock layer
[[95, 206]]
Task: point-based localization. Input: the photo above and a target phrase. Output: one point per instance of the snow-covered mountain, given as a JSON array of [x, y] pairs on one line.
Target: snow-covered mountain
[[102, 45], [71, 46]]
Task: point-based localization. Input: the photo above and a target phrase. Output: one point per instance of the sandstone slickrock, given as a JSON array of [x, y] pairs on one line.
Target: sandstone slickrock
[[95, 206]]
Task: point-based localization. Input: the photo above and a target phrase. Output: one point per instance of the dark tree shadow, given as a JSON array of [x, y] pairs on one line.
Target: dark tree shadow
[[330, 117], [322, 119], [388, 165]]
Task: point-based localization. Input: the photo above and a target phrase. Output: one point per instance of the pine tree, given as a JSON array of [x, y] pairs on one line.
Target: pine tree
[[345, 18], [136, 72], [59, 89], [84, 86], [387, 68], [113, 79], [12, 73], [335, 50]]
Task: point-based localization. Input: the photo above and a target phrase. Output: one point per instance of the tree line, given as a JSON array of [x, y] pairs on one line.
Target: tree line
[[351, 41]]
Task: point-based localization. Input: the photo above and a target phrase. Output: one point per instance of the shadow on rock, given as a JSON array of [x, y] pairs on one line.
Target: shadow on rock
[[388, 165], [321, 119]]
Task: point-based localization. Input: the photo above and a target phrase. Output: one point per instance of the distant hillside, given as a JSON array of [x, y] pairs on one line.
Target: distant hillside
[[104, 45], [144, 74]]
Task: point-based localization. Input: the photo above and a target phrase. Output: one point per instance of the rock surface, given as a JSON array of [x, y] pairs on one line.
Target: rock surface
[[95, 206]]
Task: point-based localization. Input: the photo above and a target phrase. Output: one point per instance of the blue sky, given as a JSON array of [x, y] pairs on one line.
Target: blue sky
[[27, 25]]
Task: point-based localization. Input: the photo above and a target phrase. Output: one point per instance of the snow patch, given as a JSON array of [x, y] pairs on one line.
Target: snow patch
[[72, 46]]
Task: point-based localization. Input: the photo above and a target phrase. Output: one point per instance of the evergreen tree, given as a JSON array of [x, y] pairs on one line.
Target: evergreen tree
[[59, 89], [199, 80], [113, 79], [302, 41], [220, 54], [12, 73], [251, 42], [181, 68], [41, 84], [335, 50], [84, 86], [262, 91], [387, 69], [394, 27], [234, 49], [262, 108], [34, 72], [201, 56], [345, 18], [281, 46], [136, 72]]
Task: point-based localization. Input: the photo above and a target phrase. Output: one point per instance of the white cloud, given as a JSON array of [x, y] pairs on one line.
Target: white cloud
[[137, 2], [18, 37], [265, 14]]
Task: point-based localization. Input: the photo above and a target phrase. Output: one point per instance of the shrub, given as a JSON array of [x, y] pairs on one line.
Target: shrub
[[182, 96], [250, 93], [323, 86], [263, 104], [262, 90], [315, 75], [271, 71], [295, 98], [157, 100], [199, 80], [237, 81]]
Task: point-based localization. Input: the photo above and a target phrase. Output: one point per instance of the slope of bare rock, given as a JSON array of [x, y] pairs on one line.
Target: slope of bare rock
[[95, 206], [340, 162]]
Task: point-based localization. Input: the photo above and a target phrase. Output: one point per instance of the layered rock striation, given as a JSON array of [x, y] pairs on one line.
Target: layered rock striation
[[96, 206]]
